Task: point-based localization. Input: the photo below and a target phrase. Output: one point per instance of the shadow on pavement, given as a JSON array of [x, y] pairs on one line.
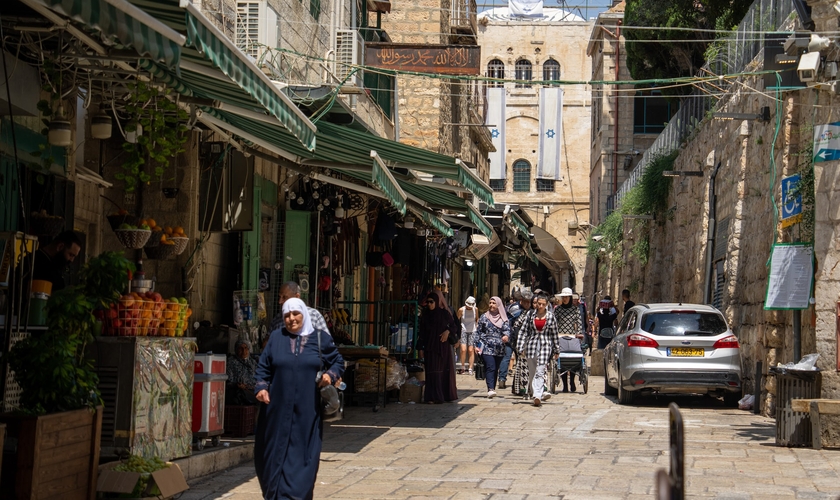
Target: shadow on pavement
[[758, 431], [361, 425]]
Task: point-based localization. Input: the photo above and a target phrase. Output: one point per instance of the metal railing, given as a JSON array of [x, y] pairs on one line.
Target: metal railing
[[732, 55], [463, 17], [391, 324]]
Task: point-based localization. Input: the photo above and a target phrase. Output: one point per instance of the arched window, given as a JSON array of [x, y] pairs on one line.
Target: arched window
[[496, 69], [521, 176], [551, 70], [523, 72]]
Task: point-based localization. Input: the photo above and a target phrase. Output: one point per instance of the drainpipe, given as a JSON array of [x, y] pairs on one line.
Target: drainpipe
[[710, 237], [615, 125]]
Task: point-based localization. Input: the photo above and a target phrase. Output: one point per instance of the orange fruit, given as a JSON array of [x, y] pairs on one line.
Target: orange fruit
[[151, 222], [167, 230], [163, 238], [156, 228], [143, 221], [178, 230]]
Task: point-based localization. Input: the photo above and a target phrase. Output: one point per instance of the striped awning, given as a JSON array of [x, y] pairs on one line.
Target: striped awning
[[477, 219], [530, 253], [382, 178], [125, 24], [224, 55], [437, 224], [520, 226]]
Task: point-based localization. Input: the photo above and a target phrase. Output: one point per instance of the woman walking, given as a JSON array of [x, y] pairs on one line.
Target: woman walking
[[539, 342], [467, 315], [436, 324], [291, 370], [569, 322], [492, 333]]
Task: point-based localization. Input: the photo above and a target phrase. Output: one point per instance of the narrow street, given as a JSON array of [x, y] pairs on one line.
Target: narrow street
[[575, 446]]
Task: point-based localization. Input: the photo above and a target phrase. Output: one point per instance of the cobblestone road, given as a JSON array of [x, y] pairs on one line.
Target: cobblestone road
[[575, 446]]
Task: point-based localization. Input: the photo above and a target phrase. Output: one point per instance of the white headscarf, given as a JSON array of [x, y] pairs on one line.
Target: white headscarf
[[296, 304]]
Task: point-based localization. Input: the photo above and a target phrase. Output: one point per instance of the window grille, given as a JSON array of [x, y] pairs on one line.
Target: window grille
[[523, 72], [551, 70], [545, 185], [497, 185], [496, 69], [521, 176]]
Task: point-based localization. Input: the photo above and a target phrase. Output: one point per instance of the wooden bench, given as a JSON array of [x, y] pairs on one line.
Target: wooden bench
[[817, 407]]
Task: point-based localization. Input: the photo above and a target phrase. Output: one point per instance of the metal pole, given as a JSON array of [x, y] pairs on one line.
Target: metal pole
[[677, 472], [757, 390], [797, 335], [317, 257]]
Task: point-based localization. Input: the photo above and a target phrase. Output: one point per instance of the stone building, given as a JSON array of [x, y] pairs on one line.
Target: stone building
[[552, 47], [736, 168], [625, 121]]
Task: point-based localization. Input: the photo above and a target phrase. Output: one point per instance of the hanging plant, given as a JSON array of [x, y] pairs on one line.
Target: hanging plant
[[51, 109], [156, 133]]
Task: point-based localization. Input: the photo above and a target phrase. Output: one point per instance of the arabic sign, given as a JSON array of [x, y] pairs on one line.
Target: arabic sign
[[791, 276], [442, 59], [827, 142], [791, 201]]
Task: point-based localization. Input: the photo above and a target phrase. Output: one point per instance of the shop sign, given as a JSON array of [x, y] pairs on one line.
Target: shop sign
[[441, 59], [827, 142]]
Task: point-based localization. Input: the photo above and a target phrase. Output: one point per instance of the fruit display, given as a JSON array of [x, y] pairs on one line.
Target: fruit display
[[147, 314], [131, 236], [46, 224], [177, 237], [122, 217], [157, 232]]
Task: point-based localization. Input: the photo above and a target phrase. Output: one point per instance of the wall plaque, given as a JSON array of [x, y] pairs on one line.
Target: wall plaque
[[442, 59]]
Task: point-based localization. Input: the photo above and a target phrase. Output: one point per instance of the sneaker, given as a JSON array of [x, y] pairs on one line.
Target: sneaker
[[537, 402], [546, 396], [491, 394], [471, 372]]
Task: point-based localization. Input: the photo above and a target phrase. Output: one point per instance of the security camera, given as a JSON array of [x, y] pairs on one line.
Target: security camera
[[809, 64], [818, 43], [598, 237]]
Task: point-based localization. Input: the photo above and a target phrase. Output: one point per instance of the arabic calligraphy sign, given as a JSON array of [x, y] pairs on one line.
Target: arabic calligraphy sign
[[442, 59]]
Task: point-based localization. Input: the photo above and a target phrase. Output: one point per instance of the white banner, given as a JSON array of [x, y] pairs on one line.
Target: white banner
[[551, 132], [496, 118], [526, 8]]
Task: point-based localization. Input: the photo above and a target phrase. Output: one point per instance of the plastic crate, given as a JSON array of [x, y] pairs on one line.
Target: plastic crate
[[240, 421]]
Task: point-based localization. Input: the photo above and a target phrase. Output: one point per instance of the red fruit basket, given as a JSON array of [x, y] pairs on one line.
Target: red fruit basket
[[133, 316]]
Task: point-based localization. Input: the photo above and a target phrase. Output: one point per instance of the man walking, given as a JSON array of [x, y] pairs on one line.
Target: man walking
[[289, 290], [625, 296]]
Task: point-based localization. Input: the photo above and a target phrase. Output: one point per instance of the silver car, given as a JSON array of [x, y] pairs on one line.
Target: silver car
[[673, 348]]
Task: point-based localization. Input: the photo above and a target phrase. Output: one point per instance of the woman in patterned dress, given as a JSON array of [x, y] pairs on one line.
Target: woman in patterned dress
[[539, 341], [569, 322]]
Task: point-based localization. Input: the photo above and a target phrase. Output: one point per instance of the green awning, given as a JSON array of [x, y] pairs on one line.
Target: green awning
[[530, 253], [437, 223], [129, 25], [384, 181], [477, 219], [212, 67], [519, 224]]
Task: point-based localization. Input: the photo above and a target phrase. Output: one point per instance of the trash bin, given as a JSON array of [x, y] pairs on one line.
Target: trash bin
[[208, 415], [794, 428]]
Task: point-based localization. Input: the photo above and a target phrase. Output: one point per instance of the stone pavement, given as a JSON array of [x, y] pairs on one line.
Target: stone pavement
[[575, 446]]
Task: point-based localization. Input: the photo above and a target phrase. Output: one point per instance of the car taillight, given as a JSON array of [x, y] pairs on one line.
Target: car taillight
[[730, 342], [637, 340]]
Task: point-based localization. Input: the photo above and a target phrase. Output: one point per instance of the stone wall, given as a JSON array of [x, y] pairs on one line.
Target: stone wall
[[747, 186]]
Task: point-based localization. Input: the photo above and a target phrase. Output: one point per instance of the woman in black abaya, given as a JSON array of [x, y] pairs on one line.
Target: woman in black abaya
[[287, 448], [436, 324]]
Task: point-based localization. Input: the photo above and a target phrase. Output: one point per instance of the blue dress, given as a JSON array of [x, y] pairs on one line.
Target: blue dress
[[287, 447]]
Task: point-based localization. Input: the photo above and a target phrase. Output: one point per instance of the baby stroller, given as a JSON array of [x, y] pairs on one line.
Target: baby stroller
[[571, 360]]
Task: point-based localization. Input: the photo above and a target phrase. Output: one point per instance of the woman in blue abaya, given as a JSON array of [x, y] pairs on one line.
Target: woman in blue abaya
[[287, 448]]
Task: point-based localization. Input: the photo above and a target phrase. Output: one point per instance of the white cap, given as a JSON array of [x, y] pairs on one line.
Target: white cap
[[470, 301], [566, 292]]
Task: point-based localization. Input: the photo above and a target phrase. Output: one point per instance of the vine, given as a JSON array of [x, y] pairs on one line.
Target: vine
[[805, 187], [160, 130]]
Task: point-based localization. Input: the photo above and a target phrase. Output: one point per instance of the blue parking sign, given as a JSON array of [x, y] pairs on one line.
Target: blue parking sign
[[791, 200]]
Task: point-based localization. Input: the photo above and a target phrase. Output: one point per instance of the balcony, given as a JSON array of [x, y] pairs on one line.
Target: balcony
[[462, 19]]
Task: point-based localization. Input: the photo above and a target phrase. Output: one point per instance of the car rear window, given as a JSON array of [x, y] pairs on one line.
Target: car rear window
[[683, 323]]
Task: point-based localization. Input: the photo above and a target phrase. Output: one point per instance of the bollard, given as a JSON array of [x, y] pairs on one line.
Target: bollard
[[677, 474]]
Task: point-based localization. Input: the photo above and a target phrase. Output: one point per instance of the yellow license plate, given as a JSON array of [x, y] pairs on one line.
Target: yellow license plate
[[686, 351]]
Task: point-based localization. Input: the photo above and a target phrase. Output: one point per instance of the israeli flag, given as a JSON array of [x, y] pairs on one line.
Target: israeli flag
[[496, 118], [526, 8], [551, 132]]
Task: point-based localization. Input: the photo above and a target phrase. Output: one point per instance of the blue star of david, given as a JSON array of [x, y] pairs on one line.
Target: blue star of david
[[550, 134], [495, 133]]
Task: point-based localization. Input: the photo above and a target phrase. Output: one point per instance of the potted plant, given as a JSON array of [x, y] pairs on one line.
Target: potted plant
[[155, 133], [60, 413]]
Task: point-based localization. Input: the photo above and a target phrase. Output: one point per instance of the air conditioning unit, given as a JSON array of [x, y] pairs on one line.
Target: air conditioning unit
[[258, 31], [349, 51]]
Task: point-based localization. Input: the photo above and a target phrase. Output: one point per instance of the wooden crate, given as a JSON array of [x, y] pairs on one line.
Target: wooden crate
[[57, 457]]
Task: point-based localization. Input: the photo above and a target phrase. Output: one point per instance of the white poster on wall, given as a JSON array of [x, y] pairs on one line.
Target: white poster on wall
[[496, 124], [551, 133]]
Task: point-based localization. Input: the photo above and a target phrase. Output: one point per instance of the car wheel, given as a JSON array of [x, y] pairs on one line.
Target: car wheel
[[625, 397], [730, 399], [608, 389]]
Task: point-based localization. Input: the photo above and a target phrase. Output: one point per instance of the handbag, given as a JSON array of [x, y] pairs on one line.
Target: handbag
[[479, 369], [606, 333], [332, 400]]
